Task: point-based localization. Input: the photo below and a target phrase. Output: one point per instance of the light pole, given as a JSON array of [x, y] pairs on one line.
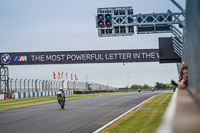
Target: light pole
[[20, 85], [36, 84], [16, 84], [28, 85], [39, 84], [62, 84], [128, 81], [11, 84], [24, 84], [32, 84]]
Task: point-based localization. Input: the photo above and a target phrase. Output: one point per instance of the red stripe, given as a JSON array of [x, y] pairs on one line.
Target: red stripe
[[19, 58]]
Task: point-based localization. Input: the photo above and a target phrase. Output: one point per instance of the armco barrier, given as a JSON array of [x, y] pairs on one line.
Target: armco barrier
[[36, 94]]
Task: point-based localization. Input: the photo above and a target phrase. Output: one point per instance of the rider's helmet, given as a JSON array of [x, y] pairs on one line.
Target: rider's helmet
[[61, 89]]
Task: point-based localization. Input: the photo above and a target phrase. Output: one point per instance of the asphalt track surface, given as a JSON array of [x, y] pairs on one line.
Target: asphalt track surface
[[82, 115]]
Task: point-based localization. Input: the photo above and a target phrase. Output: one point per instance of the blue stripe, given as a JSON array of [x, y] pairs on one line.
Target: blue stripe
[[24, 94], [33, 94], [16, 58], [19, 95]]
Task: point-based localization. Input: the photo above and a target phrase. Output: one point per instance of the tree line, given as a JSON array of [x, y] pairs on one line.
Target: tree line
[[156, 86]]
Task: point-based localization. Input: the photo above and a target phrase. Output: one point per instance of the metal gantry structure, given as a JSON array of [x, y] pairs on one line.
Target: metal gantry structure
[[4, 84], [123, 24], [120, 21]]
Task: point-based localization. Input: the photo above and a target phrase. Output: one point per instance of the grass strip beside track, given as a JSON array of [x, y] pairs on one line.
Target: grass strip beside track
[[144, 119], [13, 103]]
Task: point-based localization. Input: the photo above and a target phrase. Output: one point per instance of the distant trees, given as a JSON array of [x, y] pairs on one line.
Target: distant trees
[[169, 86], [145, 86], [163, 86], [135, 86], [157, 86]]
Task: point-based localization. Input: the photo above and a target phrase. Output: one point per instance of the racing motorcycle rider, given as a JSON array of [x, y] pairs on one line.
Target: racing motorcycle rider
[[60, 94]]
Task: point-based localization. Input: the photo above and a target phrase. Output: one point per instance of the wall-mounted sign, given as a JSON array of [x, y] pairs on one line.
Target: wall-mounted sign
[[77, 57]]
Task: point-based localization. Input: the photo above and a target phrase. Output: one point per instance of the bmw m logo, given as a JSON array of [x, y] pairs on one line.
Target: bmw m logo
[[20, 58], [5, 58]]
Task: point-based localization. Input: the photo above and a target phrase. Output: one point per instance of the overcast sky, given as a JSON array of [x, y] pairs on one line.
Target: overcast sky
[[63, 25]]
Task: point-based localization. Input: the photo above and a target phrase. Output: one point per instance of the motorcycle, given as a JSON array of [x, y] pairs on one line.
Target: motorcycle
[[61, 100]]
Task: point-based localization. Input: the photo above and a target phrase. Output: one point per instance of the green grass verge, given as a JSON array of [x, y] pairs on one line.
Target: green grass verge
[[145, 119], [13, 103]]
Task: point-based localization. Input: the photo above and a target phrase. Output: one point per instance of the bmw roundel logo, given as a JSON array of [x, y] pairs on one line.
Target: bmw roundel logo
[[5, 58]]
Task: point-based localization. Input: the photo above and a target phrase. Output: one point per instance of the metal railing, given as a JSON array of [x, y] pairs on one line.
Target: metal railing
[[37, 85]]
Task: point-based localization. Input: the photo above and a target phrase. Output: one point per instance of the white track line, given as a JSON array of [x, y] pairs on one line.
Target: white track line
[[98, 130]]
